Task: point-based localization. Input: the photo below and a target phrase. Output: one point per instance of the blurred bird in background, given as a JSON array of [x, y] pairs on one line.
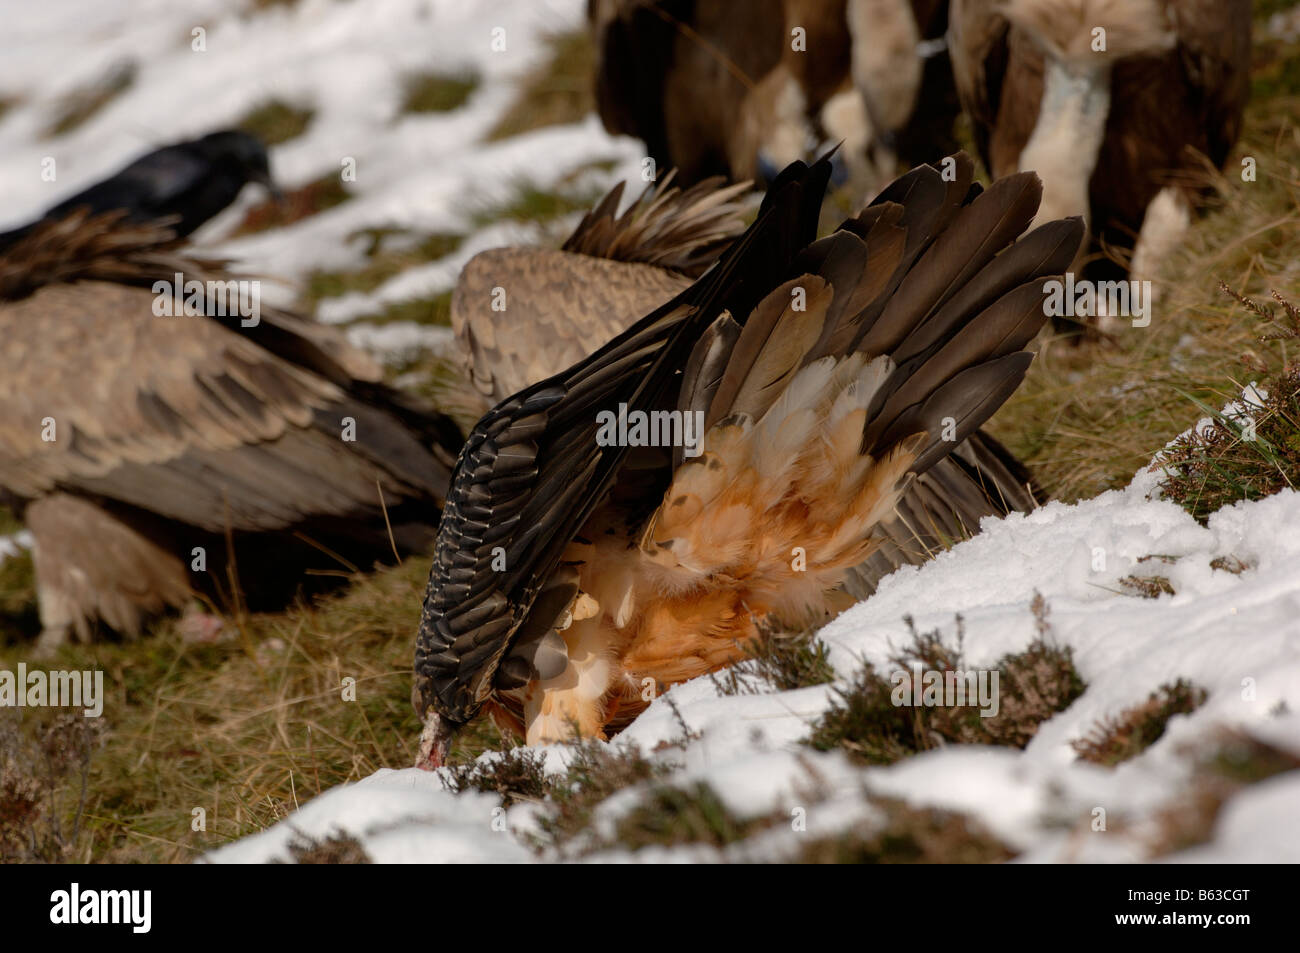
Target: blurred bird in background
[[158, 456], [743, 87], [1122, 106], [184, 184]]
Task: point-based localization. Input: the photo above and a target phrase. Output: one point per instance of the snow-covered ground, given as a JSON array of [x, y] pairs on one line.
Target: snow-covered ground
[[1235, 635]]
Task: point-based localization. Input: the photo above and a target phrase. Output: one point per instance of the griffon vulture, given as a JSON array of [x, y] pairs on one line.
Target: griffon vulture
[[186, 184], [743, 87], [154, 457], [1117, 104], [809, 383]]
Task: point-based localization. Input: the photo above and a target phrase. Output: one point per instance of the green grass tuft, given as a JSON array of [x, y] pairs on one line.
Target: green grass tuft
[[276, 121], [382, 265], [438, 92]]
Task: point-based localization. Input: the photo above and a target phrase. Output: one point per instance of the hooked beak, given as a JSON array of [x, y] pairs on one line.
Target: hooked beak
[[435, 741]]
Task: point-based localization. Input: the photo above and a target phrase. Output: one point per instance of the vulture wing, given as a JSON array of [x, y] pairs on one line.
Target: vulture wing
[[812, 443], [532, 471]]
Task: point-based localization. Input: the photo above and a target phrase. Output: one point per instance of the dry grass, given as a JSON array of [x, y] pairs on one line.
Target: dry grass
[[558, 91], [251, 727], [437, 92], [1254, 451], [82, 104], [388, 255]]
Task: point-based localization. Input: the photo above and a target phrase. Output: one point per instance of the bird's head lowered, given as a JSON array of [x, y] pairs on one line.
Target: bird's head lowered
[[436, 733]]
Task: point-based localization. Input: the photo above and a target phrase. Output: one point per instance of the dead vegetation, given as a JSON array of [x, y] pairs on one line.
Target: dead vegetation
[[44, 780], [1135, 729], [82, 104], [908, 835], [1252, 451], [556, 92], [777, 660], [311, 199], [1232, 763], [877, 721], [276, 121], [340, 847]]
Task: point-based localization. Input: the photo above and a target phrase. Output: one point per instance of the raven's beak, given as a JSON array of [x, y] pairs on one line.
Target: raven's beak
[[435, 741], [264, 179]]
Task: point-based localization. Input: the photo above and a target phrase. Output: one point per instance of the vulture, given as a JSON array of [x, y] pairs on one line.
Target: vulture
[[160, 449], [1117, 104], [186, 183], [742, 87], [728, 459]]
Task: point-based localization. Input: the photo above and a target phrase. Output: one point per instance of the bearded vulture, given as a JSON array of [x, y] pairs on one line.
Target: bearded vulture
[[580, 560], [158, 449], [1117, 104], [743, 87], [186, 184]]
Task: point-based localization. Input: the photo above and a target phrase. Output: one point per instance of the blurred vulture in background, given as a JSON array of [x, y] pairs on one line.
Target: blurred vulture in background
[[185, 184], [741, 88], [157, 457], [572, 570], [1117, 104]]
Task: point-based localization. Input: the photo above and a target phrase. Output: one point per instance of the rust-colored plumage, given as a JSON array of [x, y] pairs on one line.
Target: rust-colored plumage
[[133, 439], [575, 562]]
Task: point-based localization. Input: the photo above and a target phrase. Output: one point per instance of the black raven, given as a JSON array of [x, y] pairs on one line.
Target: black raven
[[188, 182]]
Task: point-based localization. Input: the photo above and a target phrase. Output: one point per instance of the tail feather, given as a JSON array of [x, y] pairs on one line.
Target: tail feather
[[817, 428]]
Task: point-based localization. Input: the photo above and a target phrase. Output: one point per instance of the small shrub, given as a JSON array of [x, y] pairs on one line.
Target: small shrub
[[1135, 729]]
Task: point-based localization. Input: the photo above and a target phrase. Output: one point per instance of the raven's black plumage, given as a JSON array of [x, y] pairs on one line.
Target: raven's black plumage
[[188, 182]]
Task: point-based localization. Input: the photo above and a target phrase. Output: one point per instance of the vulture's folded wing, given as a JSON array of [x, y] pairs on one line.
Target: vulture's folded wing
[[189, 416], [524, 314]]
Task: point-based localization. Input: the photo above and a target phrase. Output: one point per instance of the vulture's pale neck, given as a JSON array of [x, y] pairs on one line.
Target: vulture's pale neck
[[1067, 138]]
